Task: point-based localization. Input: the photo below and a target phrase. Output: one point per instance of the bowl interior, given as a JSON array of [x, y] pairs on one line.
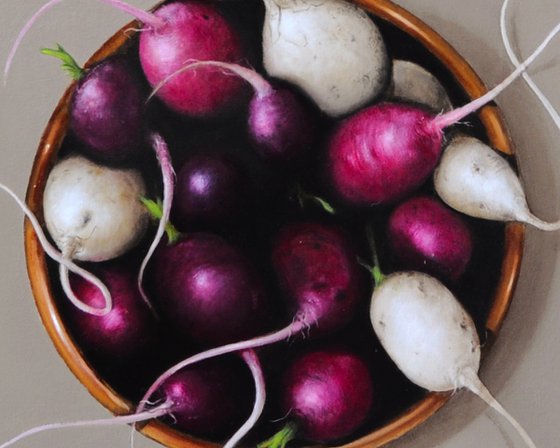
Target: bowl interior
[[434, 51]]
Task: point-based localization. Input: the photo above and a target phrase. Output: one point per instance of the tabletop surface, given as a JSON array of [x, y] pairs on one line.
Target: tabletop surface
[[522, 368]]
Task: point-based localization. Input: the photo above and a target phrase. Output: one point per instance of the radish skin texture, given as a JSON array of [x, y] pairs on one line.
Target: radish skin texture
[[430, 337], [193, 31], [412, 82], [331, 49], [93, 212], [425, 330], [474, 179]]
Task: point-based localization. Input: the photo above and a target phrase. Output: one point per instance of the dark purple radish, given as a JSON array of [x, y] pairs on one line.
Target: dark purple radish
[[281, 125], [211, 189], [175, 33], [425, 235], [208, 290], [326, 395], [107, 107], [386, 151], [318, 271], [208, 400], [124, 333]]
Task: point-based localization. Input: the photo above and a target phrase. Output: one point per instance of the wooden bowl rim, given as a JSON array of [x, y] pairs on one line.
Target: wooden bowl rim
[[45, 301]]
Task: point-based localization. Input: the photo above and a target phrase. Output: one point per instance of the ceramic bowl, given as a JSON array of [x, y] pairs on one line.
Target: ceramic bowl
[[446, 62]]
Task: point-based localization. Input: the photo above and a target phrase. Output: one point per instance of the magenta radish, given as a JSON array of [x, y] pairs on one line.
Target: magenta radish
[[175, 33], [107, 107], [326, 395], [319, 273], [425, 235], [430, 337], [474, 179], [203, 401], [281, 125], [331, 49], [386, 151]]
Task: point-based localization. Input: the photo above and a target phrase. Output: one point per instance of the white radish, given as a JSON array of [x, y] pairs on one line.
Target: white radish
[[430, 336], [413, 83], [331, 49], [92, 213], [474, 179]]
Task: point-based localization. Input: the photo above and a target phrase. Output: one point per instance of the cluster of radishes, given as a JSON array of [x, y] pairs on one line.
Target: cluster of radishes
[[271, 162]]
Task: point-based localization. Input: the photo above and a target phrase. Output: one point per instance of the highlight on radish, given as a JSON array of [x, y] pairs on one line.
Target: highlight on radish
[[424, 235], [386, 151], [331, 49], [474, 179]]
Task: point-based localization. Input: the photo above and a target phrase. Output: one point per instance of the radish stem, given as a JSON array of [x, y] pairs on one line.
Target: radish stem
[[452, 117], [150, 20], [65, 263], [159, 411]]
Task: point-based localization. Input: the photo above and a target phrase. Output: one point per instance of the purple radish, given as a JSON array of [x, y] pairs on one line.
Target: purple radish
[[200, 282], [211, 189], [424, 235], [386, 151], [475, 180], [124, 333], [107, 107], [281, 126], [319, 273], [175, 33], [326, 395], [205, 400]]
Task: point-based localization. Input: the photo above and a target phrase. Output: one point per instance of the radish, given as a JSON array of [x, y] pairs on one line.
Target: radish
[[331, 49], [425, 235], [413, 83], [203, 400], [92, 213], [319, 273], [326, 394], [173, 34], [200, 282], [430, 337], [107, 107], [211, 190], [281, 126], [386, 151], [474, 179]]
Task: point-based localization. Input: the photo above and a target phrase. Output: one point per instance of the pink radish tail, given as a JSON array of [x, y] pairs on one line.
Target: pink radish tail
[[150, 20], [168, 176], [295, 327], [65, 263], [252, 360], [471, 381], [261, 86], [452, 117], [156, 412]]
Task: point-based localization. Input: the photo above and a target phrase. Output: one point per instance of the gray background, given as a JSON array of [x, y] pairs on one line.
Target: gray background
[[522, 369]]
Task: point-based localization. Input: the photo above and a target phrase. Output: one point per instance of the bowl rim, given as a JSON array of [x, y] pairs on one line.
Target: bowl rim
[[51, 141]]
